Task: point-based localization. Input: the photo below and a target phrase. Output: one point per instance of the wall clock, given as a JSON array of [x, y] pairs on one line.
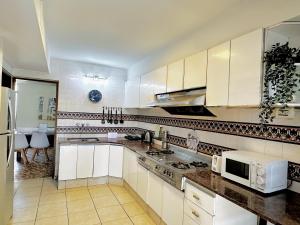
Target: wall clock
[[95, 96]]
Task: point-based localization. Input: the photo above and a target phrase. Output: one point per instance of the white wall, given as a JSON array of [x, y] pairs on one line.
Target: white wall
[[1, 59], [74, 88], [241, 19], [28, 94]]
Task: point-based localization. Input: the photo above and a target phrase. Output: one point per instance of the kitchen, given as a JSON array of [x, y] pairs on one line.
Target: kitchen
[[160, 120]]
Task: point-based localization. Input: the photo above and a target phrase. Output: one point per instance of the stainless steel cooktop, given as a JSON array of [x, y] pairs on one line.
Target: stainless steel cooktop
[[171, 164]]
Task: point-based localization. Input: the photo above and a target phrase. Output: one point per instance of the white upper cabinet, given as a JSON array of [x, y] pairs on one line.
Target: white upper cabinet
[[132, 93], [115, 161], [218, 75], [246, 69], [195, 70], [175, 76], [101, 160], [85, 161], [152, 83]]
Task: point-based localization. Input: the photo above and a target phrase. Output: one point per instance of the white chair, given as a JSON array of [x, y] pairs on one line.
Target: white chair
[[21, 145], [39, 141]]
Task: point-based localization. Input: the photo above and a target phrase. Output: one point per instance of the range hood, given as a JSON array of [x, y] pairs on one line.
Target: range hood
[[186, 102]]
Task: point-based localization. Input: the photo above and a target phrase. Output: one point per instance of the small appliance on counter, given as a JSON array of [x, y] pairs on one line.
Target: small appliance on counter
[[216, 164], [258, 171], [147, 137], [132, 137]]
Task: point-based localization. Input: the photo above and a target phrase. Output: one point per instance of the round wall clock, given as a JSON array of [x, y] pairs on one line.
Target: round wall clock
[[95, 96]]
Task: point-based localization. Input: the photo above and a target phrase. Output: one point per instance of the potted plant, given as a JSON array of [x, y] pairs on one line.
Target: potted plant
[[280, 79]]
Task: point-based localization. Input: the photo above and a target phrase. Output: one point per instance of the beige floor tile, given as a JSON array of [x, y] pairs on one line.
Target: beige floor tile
[[32, 183], [125, 221], [133, 209], [52, 210], [117, 188], [59, 220], [105, 201], [25, 202], [80, 205], [124, 198], [24, 214], [100, 192], [142, 220], [84, 218], [111, 213], [28, 191], [76, 195], [99, 186], [52, 198], [76, 189], [24, 223]]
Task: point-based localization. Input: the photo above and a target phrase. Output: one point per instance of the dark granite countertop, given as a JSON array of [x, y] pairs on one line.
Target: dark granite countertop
[[282, 208]]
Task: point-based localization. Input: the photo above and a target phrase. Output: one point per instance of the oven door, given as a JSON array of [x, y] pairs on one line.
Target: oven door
[[237, 170]]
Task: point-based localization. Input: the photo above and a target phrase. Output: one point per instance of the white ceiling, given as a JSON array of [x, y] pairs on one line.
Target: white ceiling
[[119, 32], [19, 30]]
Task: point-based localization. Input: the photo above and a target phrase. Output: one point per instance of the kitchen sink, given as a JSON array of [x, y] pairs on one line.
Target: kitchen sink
[[91, 139]]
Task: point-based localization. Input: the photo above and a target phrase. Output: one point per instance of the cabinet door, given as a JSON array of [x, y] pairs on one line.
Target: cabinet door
[[126, 164], [132, 176], [195, 70], [142, 182], [101, 159], [85, 161], [132, 93], [218, 75], [175, 76], [172, 206], [155, 189], [67, 162], [246, 69], [152, 83], [115, 161]]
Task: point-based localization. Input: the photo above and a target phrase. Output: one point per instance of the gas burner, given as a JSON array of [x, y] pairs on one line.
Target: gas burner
[[153, 152], [181, 165], [167, 152], [199, 164]]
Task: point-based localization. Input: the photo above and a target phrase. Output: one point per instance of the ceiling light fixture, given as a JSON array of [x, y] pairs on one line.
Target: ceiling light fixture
[[95, 77]]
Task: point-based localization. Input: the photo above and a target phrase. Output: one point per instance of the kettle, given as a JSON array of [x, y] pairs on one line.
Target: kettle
[[147, 137]]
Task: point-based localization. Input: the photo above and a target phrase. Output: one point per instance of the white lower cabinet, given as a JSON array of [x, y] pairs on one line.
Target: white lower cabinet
[[172, 205], [132, 175], [126, 164], [202, 207], [116, 161], [85, 161], [101, 160], [67, 162], [155, 192], [142, 182]]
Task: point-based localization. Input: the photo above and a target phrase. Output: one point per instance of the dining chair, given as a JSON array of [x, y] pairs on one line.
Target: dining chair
[[39, 141], [21, 145]]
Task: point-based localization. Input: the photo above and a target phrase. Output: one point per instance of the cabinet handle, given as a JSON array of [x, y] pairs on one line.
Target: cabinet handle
[[196, 197], [195, 213]]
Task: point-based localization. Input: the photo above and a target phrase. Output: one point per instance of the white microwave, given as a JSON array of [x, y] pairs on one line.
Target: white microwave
[[261, 172]]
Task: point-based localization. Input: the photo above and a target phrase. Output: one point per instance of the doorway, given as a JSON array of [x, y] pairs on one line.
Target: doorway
[[35, 110]]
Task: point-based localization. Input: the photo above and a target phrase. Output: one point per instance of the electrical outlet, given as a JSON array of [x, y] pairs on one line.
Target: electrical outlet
[[285, 113]]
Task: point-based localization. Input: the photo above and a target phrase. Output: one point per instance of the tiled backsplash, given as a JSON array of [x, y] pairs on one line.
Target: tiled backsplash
[[287, 134]]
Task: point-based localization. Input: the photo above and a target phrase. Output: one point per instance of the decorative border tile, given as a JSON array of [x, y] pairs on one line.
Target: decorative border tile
[[287, 134], [294, 171], [95, 130]]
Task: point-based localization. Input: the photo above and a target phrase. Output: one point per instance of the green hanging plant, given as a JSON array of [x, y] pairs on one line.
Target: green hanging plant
[[280, 79]]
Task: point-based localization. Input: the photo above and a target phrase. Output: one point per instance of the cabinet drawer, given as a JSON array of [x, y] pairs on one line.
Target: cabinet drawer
[[200, 216], [203, 198], [188, 221]]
